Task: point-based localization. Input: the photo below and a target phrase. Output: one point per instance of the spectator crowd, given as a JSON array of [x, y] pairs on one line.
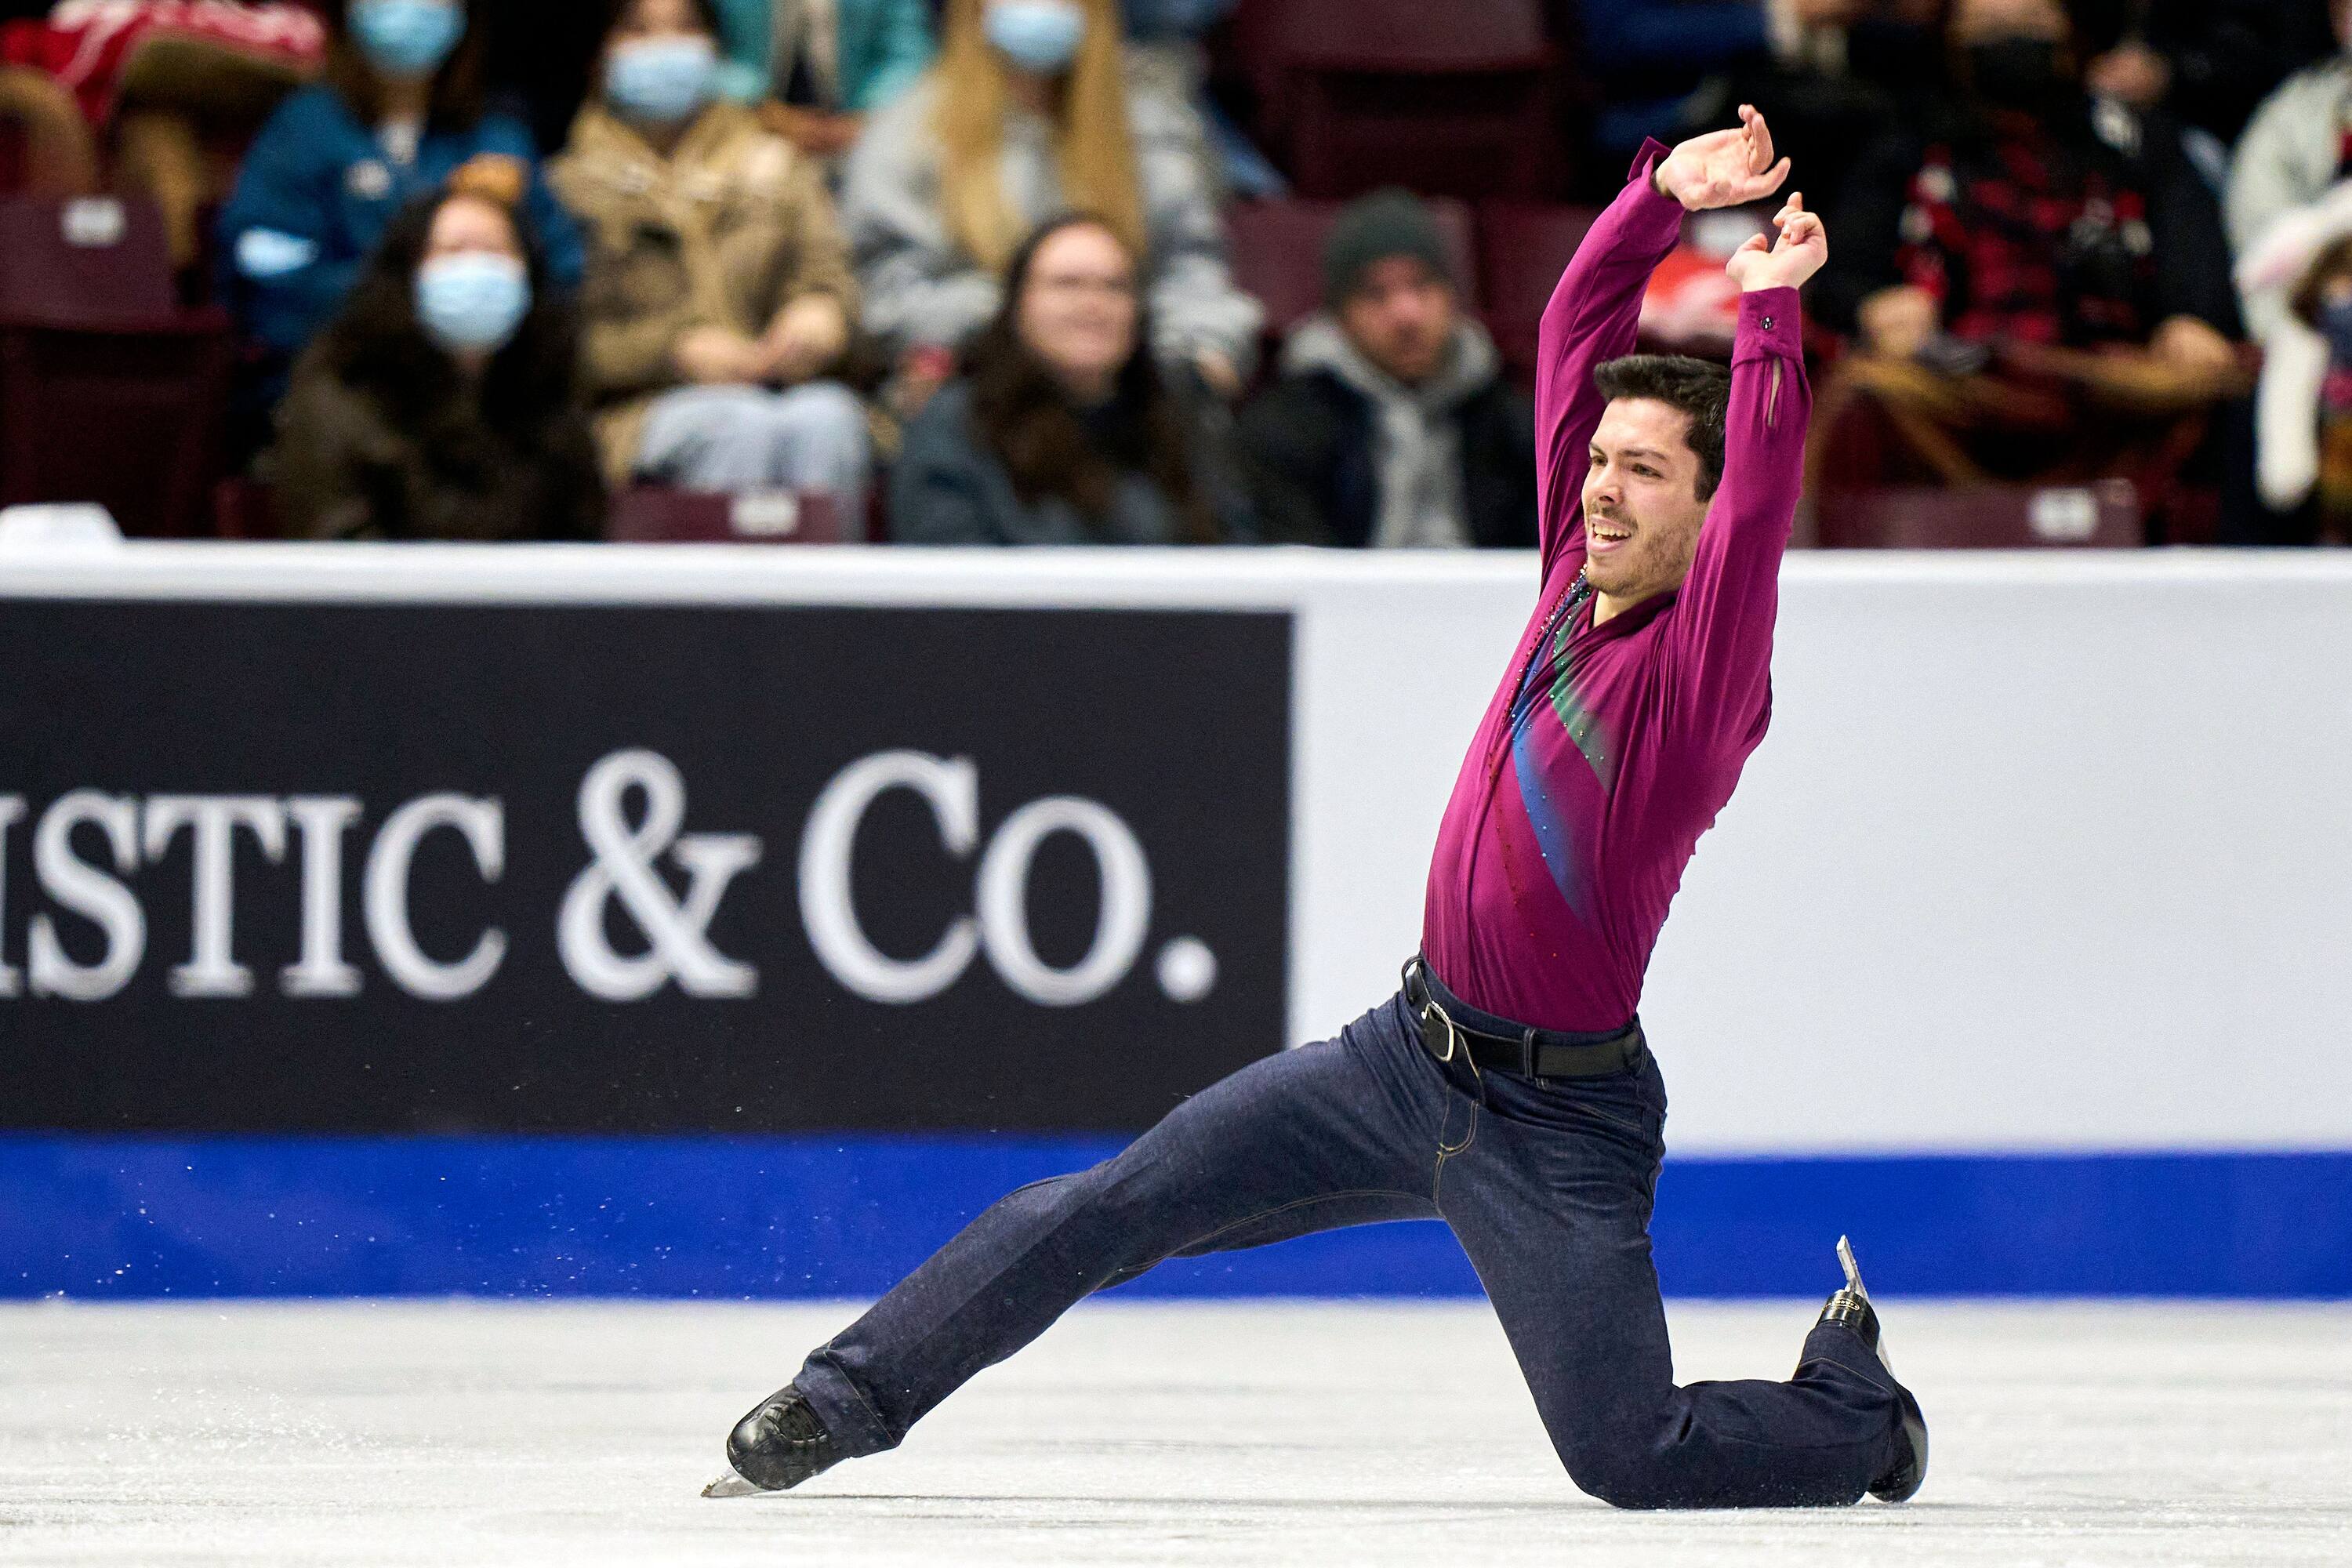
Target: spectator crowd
[[965, 269]]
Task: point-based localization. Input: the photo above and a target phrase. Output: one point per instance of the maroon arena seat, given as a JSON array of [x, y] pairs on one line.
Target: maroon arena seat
[[1356, 94], [1991, 517], [1277, 253], [653, 514], [109, 391], [1523, 247]]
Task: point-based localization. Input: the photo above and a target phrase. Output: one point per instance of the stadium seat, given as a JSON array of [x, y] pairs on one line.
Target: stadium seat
[[1989, 517], [1523, 247], [1356, 94], [110, 392], [1277, 253], [653, 514]]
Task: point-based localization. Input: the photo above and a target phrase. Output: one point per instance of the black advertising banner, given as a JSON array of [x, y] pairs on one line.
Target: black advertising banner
[[611, 869]]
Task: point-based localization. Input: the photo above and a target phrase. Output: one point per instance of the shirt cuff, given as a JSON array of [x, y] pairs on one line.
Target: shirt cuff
[[1645, 165], [1771, 326]]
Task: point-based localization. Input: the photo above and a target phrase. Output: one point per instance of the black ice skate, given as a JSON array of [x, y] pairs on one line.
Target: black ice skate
[[1851, 1308], [780, 1444]]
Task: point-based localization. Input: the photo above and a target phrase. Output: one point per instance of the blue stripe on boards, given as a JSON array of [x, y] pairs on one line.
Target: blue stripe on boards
[[846, 1216]]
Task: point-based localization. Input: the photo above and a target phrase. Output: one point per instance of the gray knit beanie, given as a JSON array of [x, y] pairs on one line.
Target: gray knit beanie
[[1373, 228]]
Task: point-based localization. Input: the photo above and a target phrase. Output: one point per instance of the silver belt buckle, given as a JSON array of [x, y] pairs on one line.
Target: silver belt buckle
[[1429, 1010]]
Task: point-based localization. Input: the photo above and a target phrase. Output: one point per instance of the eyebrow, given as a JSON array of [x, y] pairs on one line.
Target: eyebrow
[[1639, 452]]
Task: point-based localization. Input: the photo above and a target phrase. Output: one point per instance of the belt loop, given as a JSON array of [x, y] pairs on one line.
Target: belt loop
[[1528, 1053]]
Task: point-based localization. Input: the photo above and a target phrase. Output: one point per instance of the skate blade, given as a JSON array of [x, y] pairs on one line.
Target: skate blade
[[1852, 1274], [731, 1484]]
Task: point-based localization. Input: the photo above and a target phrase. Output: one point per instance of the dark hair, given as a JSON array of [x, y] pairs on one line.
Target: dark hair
[[1694, 387], [376, 344], [458, 98], [705, 12], [1027, 420]]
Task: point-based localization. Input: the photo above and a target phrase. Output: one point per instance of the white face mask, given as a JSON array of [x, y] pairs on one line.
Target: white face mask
[[473, 300], [663, 80], [1040, 36]]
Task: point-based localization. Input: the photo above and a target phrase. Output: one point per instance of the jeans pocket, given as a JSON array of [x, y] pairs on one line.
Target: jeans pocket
[[1619, 1108]]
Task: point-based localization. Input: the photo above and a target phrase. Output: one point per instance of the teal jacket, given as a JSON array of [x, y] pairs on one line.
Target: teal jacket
[[315, 195], [883, 46]]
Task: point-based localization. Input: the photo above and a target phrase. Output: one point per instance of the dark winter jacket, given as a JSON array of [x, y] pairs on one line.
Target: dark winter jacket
[[363, 455], [2094, 227], [1312, 445]]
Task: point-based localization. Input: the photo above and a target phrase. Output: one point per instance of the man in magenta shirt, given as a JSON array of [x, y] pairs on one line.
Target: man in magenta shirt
[[1507, 1089]]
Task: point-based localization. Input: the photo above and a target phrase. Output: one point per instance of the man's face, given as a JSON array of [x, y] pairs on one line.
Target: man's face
[[1400, 318], [1642, 510]]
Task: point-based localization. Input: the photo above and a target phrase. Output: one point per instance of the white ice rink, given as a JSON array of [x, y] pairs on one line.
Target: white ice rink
[[579, 1435]]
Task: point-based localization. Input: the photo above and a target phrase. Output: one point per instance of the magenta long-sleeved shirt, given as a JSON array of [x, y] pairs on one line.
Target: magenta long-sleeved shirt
[[1610, 749]]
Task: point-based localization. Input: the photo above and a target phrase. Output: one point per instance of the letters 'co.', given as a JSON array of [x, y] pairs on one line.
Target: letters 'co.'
[[677, 931]]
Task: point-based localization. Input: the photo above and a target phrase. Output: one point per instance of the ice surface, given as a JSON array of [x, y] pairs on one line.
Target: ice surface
[[1134, 1433]]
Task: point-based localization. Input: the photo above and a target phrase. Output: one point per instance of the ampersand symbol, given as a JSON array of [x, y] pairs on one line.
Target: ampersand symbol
[[676, 931]]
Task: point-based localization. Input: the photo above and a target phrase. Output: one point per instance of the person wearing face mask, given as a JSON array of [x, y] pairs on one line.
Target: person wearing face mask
[[2040, 282], [442, 402], [401, 107], [818, 68], [1063, 430], [1031, 111], [719, 293]]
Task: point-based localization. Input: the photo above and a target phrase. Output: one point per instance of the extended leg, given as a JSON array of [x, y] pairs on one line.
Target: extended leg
[[1329, 1135], [1552, 1203]]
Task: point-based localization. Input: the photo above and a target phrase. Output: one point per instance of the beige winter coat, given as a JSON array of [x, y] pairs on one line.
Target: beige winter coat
[[727, 231]]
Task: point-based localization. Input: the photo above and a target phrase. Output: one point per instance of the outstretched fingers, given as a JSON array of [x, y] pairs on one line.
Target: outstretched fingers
[[1758, 136], [1756, 188]]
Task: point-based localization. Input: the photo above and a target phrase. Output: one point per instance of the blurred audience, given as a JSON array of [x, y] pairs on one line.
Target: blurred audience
[[442, 403], [1829, 74], [718, 289], [2290, 197], [822, 66], [401, 107], [1390, 424], [2323, 305], [2041, 283], [1063, 430], [2208, 62], [170, 93], [1029, 114], [60, 153], [1164, 42]]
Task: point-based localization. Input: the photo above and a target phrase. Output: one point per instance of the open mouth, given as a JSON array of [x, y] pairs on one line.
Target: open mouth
[[1605, 535]]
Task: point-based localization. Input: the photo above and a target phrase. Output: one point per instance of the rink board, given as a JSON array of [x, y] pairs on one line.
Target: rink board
[[2021, 951], [825, 1218]]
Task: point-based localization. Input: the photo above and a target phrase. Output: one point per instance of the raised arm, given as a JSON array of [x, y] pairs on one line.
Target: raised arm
[[1718, 637], [1596, 310]]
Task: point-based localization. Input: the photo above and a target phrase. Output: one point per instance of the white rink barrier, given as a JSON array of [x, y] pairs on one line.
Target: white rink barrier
[[2048, 852]]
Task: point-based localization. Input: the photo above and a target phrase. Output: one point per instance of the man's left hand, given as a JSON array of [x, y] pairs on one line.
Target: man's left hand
[[1788, 262], [1723, 168]]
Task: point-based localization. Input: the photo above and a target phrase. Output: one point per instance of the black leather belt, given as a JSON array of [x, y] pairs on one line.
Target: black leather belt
[[1450, 1026]]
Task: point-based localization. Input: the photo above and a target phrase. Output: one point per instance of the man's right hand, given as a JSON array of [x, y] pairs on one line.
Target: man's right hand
[[1723, 168]]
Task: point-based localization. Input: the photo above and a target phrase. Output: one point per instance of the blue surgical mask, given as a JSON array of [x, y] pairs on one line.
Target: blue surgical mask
[[472, 301], [1041, 36], [661, 80], [406, 37]]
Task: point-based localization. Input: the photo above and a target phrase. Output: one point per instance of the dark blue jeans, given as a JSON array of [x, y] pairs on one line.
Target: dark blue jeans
[[1547, 1183]]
